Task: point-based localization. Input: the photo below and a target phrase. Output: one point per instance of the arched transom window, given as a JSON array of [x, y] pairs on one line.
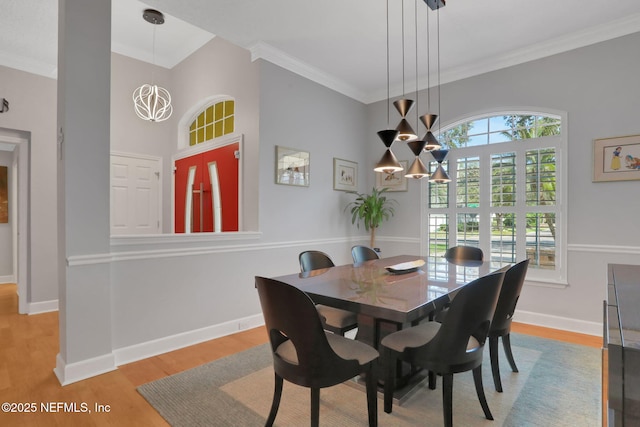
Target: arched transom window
[[214, 121]]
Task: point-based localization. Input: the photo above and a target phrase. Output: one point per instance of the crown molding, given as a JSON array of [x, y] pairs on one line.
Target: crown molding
[[267, 52]]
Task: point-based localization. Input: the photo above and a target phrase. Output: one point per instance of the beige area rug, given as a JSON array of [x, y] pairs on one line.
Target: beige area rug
[[345, 405], [558, 386]]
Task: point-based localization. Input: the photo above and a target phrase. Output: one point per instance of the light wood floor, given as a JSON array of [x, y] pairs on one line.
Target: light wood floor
[[28, 348]]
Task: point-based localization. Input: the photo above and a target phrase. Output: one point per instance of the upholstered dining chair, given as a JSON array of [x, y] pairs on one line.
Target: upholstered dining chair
[[464, 253], [501, 323], [333, 319], [305, 354], [447, 348], [361, 253]]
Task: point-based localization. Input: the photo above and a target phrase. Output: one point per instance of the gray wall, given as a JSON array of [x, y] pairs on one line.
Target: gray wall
[[33, 110]]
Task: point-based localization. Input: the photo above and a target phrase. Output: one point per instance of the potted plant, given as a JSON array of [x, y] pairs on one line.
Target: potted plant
[[371, 209]]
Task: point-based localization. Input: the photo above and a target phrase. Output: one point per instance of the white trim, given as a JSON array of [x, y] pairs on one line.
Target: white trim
[[68, 373], [163, 345], [262, 50], [557, 322], [43, 307], [610, 249], [7, 279], [180, 238]]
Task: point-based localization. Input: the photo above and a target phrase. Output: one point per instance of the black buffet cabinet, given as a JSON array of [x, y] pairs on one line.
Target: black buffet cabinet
[[621, 356]]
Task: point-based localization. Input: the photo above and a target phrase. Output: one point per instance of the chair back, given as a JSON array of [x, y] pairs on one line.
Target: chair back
[[290, 315], [458, 344], [509, 295], [363, 253], [464, 253], [314, 260]]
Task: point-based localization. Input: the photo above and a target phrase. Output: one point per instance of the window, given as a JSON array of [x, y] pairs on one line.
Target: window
[[214, 121], [505, 196]]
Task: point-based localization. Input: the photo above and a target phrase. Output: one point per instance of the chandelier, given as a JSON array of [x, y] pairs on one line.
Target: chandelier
[[152, 102]]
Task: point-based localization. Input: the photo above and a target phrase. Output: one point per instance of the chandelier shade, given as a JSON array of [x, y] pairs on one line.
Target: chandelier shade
[[388, 136], [428, 120], [440, 176], [417, 170], [431, 143], [405, 131], [388, 163]]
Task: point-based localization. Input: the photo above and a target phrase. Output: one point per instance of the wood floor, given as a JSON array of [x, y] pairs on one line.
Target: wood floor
[[28, 348]]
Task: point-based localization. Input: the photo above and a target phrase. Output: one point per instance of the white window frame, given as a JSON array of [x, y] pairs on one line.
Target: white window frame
[[555, 277]]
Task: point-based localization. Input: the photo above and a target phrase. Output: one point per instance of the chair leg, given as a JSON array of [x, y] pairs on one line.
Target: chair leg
[[372, 397], [431, 380], [477, 379], [277, 394], [315, 407], [506, 343], [447, 399], [389, 381], [495, 365]]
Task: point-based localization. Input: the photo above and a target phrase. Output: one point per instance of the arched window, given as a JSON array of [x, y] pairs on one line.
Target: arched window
[[214, 121], [506, 191]]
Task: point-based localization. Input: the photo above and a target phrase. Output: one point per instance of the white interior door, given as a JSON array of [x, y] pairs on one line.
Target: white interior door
[[135, 194]]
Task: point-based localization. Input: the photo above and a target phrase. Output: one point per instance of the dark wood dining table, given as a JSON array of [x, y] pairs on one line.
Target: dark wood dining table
[[386, 301], [370, 290]]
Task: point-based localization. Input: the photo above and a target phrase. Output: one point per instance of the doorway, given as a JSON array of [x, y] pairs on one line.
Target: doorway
[[18, 143]]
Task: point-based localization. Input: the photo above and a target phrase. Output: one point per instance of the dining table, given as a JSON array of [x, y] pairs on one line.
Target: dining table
[[391, 293]]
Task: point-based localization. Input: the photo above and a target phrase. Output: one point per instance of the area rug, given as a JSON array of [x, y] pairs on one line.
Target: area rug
[[558, 385]]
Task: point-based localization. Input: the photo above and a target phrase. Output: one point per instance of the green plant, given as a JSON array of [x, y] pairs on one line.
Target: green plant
[[371, 209]]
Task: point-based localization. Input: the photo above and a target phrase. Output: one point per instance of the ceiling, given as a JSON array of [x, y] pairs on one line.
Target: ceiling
[[338, 43]]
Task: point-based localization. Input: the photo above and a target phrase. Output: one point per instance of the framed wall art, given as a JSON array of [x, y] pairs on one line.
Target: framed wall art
[[292, 166], [616, 159], [345, 175], [393, 181]]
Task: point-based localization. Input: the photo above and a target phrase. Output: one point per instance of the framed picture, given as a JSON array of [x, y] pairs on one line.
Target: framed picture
[[345, 175], [292, 166], [616, 159], [393, 181]]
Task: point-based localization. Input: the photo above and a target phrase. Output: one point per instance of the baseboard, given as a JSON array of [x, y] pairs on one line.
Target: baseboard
[[69, 373], [7, 279], [557, 322], [174, 342], [42, 307]]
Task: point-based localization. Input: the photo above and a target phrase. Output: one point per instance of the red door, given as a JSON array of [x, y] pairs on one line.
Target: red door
[[206, 191]]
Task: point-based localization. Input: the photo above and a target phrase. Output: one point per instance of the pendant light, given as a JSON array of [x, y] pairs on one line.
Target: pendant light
[[429, 119], [440, 175], [438, 153], [388, 163], [417, 169], [152, 102], [404, 105]]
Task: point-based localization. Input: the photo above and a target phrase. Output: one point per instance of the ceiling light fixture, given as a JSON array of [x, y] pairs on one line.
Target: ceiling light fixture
[[152, 102], [417, 169], [404, 105], [388, 163]]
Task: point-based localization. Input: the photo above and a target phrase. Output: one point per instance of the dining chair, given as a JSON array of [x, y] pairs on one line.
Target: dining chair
[[501, 323], [447, 348], [464, 253], [361, 253], [305, 354], [458, 255], [333, 319]]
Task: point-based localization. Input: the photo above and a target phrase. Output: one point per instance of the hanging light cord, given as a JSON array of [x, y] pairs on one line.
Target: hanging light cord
[[416, 28], [439, 88], [402, 10], [388, 72]]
